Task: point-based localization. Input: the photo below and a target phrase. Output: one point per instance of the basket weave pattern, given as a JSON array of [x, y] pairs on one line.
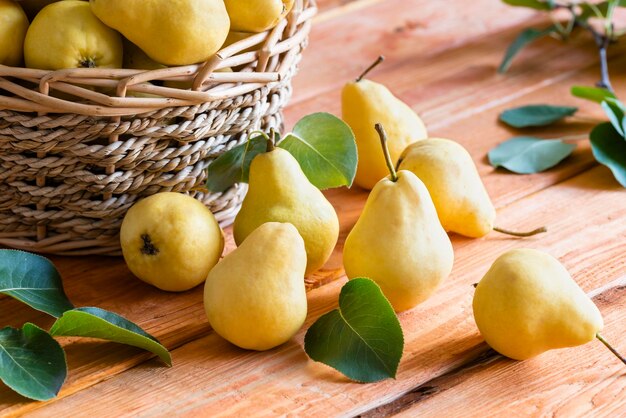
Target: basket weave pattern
[[78, 147]]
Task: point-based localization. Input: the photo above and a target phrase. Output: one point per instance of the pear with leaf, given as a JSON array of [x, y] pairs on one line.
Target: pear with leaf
[[398, 241]]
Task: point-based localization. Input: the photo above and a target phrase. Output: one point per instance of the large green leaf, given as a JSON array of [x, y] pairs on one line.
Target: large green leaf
[[32, 363], [598, 10], [234, 165], [325, 148], [595, 94], [536, 115], [523, 39], [33, 280], [362, 339], [609, 148], [533, 4], [526, 155], [615, 110], [98, 323]]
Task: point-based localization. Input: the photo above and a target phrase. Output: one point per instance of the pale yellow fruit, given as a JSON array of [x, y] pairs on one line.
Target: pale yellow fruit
[[452, 179], [527, 303], [13, 27], [256, 15], [171, 241], [255, 297], [399, 243], [365, 103], [66, 34], [136, 59], [280, 192], [171, 32]]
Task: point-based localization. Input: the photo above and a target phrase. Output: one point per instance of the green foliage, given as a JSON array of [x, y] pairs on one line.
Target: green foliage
[[98, 323], [614, 109], [362, 338], [595, 94], [535, 115], [526, 155], [34, 281], [523, 39], [609, 148], [32, 363], [234, 165], [533, 4]]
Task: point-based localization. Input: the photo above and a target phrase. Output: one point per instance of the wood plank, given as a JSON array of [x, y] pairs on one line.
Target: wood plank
[[576, 382], [212, 377]]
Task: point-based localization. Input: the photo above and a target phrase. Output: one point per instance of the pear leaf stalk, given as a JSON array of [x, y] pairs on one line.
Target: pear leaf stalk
[[380, 59], [610, 347], [521, 234], [383, 141]]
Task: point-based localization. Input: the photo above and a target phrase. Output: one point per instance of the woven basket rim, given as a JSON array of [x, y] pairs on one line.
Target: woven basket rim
[[207, 85]]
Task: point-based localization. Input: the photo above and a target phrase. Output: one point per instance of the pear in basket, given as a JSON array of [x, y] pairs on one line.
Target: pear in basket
[[256, 15], [66, 34], [12, 32], [170, 32]]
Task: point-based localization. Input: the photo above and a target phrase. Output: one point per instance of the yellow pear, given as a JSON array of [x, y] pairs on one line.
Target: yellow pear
[[171, 32], [256, 15], [452, 179], [13, 27], [171, 241], [398, 241], [136, 59], [255, 297], [365, 103], [66, 34], [280, 192], [527, 303]]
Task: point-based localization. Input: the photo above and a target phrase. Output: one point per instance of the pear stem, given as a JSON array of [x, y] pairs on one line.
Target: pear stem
[[521, 234], [610, 347], [380, 59], [383, 141], [271, 145]]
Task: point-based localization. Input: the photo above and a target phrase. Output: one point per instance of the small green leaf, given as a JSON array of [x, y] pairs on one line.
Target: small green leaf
[[98, 323], [526, 155], [34, 280], [325, 148], [615, 111], [609, 148], [234, 165], [32, 363], [362, 339], [535, 115], [533, 4], [595, 94], [524, 38]]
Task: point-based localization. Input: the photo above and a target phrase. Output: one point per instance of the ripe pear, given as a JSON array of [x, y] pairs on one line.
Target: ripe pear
[[171, 32], [13, 27], [449, 173], [256, 15], [365, 103], [255, 297], [398, 241], [66, 34], [280, 192], [527, 303]]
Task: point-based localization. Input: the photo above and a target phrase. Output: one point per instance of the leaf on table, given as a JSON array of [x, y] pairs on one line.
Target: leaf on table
[[362, 338], [98, 323], [595, 94], [523, 39], [615, 110], [533, 4], [325, 148], [32, 363], [33, 280], [234, 165], [527, 155], [536, 115], [609, 148]]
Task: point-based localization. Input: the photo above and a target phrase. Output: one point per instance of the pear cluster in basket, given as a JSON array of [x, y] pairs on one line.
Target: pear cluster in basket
[[421, 189], [139, 34]]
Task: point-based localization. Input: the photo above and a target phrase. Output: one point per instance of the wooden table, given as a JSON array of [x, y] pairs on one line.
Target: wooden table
[[442, 58]]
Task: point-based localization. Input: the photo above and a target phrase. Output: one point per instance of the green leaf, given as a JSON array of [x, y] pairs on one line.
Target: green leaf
[[597, 10], [234, 165], [615, 111], [362, 339], [533, 4], [524, 38], [536, 115], [609, 148], [32, 363], [526, 155], [98, 323], [325, 148], [595, 94], [33, 280]]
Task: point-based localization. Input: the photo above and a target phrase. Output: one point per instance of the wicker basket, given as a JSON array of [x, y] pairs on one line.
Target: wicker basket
[[73, 160]]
